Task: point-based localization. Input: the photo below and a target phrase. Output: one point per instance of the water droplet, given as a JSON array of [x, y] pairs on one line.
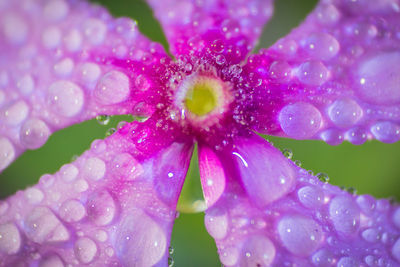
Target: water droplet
[[10, 239], [52, 260], [65, 98], [344, 214], [68, 172], [34, 195], [258, 251], [103, 119], [310, 196], [300, 120], [85, 250], [299, 234], [216, 222], [220, 60], [110, 132], [94, 168], [112, 88], [379, 82], [313, 73], [323, 177], [41, 225], [101, 208], [72, 211], [7, 153], [34, 133], [345, 112], [288, 153]]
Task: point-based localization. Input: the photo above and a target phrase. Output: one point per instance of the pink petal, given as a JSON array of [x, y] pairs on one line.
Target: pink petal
[[286, 217], [335, 77], [184, 22], [115, 205], [60, 65]]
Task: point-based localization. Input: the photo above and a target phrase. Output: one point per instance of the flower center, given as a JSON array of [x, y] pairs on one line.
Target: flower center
[[201, 98]]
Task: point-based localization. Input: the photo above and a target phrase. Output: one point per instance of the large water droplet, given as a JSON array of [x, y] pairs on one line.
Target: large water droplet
[[378, 80], [10, 239]]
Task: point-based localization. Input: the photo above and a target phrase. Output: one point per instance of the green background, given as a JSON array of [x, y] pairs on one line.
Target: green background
[[372, 168]]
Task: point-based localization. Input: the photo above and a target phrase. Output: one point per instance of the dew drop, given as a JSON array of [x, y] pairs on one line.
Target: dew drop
[[101, 208], [65, 98], [10, 239], [85, 250], [72, 211], [34, 133]]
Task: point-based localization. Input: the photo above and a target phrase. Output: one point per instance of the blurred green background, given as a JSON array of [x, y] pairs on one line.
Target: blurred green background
[[372, 168]]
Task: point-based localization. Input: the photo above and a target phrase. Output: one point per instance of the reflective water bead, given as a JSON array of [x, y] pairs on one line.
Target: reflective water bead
[[101, 208], [345, 112], [65, 98], [103, 119], [41, 225], [94, 168], [34, 195], [112, 88], [216, 222], [313, 73], [396, 250], [321, 46], [348, 262], [371, 235], [14, 28], [366, 204], [51, 261], [26, 84], [323, 258], [101, 235], [356, 135], [300, 120], [51, 37], [55, 10], [72, 211], [378, 81], [396, 217], [16, 113], [85, 250], [10, 239], [280, 71], [95, 30], [142, 83], [139, 240], [125, 166], [310, 196], [34, 133], [68, 172], [3, 207], [344, 214], [64, 67], [7, 153], [229, 256], [73, 40], [299, 234], [258, 251], [328, 14], [332, 136], [90, 72], [386, 131]]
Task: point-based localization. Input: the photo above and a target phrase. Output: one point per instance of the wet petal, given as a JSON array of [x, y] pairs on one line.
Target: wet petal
[[184, 22], [335, 77], [60, 65], [310, 223], [100, 209]]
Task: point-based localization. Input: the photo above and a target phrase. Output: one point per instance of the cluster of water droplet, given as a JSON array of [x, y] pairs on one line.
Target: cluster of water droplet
[[312, 223]]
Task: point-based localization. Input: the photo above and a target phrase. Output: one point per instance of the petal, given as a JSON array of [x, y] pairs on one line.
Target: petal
[[335, 77], [115, 205], [62, 63], [259, 220], [185, 21]]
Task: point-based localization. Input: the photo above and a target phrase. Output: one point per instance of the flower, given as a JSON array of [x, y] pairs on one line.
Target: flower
[[330, 79]]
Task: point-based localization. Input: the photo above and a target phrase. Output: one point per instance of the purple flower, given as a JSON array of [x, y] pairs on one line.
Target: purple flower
[[334, 78]]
